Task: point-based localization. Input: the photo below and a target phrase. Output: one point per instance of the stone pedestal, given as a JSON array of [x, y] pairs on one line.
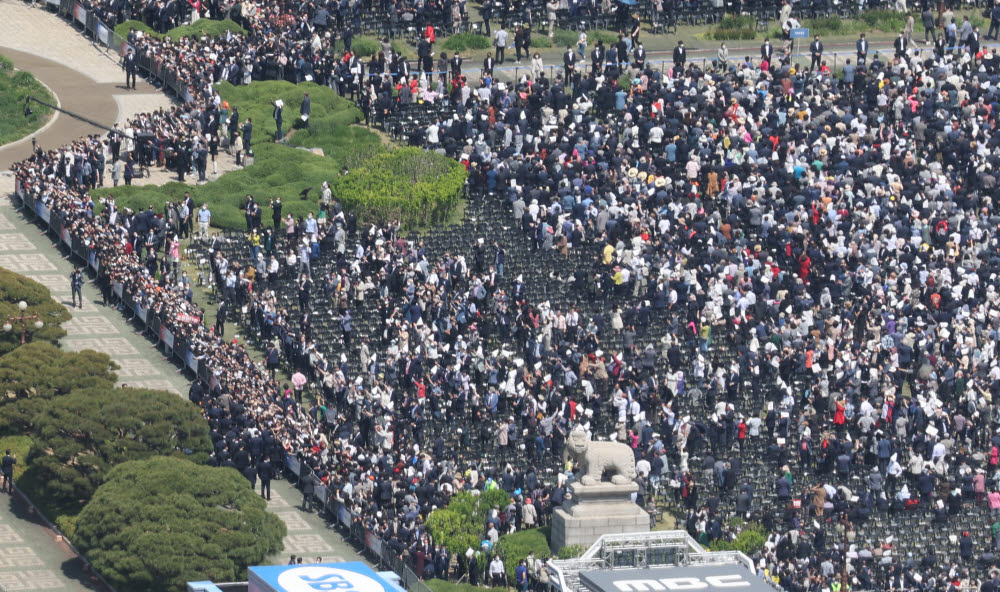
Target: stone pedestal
[[594, 510]]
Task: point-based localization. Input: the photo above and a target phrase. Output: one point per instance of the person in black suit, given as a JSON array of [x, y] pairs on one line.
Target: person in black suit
[[247, 131], [220, 318], [279, 107], [680, 55], [766, 51], [251, 474], [130, 68], [569, 63], [488, 64], [265, 473], [7, 467], [597, 58], [972, 41], [816, 51], [900, 46], [862, 48], [640, 57], [940, 46], [308, 488], [456, 65], [305, 110]]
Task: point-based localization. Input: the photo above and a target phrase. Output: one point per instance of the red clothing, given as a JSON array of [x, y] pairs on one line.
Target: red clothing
[[838, 416], [804, 264]]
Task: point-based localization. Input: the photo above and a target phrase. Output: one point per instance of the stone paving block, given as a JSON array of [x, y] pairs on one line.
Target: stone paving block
[[19, 557], [7, 535], [113, 346], [136, 367], [89, 325], [15, 242], [27, 263], [160, 385]]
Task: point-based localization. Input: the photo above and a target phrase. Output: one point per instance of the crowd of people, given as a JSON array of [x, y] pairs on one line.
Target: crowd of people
[[758, 258]]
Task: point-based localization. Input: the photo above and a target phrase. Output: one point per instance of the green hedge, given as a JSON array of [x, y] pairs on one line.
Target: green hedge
[[366, 46], [749, 541], [202, 28], [123, 29], [734, 28], [465, 41], [14, 87], [564, 37], [514, 547], [571, 551], [409, 184], [461, 525], [869, 21]]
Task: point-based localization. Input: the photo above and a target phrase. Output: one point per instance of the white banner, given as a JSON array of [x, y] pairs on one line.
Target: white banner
[[80, 13], [103, 34]]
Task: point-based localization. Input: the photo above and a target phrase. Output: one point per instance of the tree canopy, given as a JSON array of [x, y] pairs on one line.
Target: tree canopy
[[462, 523], [91, 430], [14, 288], [158, 523], [42, 370]]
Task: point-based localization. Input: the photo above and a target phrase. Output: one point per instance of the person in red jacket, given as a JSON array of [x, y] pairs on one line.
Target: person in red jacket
[[804, 263]]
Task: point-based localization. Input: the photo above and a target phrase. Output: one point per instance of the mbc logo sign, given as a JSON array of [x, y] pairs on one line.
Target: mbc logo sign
[[326, 579], [724, 582]]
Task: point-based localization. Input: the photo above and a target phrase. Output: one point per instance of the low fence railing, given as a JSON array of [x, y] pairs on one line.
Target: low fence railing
[[179, 350]]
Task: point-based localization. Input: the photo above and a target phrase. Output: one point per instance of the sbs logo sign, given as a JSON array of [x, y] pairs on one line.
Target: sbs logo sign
[[319, 578]]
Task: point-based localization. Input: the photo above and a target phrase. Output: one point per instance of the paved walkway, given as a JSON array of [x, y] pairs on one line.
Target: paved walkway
[[85, 78], [24, 248], [31, 556]]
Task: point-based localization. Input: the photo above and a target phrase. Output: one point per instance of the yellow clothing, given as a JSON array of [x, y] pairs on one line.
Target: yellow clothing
[[609, 252]]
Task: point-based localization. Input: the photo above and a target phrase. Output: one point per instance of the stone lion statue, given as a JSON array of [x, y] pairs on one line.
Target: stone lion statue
[[597, 457]]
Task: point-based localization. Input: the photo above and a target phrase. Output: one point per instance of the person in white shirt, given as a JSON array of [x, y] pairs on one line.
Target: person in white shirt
[[497, 571]]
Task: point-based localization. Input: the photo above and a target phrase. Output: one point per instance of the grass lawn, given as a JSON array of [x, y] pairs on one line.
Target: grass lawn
[[14, 87], [409, 184]]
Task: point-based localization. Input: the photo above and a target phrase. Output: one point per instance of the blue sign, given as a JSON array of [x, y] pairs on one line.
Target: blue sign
[[352, 576], [798, 33]]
